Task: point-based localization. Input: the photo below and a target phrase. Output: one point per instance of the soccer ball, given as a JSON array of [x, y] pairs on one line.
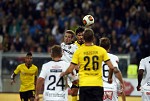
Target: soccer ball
[[88, 20]]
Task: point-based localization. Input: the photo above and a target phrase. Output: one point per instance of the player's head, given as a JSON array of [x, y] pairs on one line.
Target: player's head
[[88, 35], [28, 58], [56, 51], [68, 37], [105, 43], [79, 34]]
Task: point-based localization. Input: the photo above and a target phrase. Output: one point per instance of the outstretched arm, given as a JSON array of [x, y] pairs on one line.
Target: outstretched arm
[[69, 70], [140, 76], [13, 78]]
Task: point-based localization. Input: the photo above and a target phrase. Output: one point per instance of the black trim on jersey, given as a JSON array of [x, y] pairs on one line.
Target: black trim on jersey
[[107, 60], [56, 61], [80, 43], [74, 63], [69, 43]]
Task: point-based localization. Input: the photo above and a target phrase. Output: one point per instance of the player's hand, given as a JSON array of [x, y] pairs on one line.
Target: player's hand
[[75, 82], [110, 80], [37, 98], [138, 88], [12, 81], [62, 74]]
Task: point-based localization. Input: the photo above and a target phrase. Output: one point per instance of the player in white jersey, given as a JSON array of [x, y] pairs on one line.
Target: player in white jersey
[[55, 87], [144, 85], [111, 90], [68, 49], [67, 46]]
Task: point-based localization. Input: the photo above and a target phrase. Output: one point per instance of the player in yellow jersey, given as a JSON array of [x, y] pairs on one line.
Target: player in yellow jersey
[[79, 42], [28, 76], [90, 58], [79, 36]]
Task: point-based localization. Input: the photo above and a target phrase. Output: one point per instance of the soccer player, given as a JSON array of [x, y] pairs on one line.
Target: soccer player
[[55, 87], [144, 67], [79, 43], [111, 90], [90, 58], [28, 76], [68, 50], [67, 46]]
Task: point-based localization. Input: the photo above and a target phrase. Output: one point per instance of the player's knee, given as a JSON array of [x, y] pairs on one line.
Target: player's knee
[[74, 92]]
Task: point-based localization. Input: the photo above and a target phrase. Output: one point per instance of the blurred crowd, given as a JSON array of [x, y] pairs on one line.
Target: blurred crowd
[[36, 25]]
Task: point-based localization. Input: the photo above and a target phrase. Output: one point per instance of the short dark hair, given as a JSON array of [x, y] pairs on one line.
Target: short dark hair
[[104, 42], [79, 29], [88, 35], [56, 51], [29, 54]]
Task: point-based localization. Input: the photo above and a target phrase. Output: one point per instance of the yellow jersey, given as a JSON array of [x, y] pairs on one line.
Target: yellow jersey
[[27, 76], [90, 59], [78, 45]]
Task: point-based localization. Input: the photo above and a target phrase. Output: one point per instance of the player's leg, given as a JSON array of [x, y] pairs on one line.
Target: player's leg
[[74, 90], [23, 96], [75, 85], [123, 96], [31, 95]]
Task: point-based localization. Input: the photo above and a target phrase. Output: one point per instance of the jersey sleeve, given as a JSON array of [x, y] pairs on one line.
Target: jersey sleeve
[[141, 66], [105, 57], [75, 57], [114, 63], [17, 70], [36, 73], [43, 72]]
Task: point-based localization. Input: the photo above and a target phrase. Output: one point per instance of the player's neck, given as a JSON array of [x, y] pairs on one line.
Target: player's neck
[[28, 65], [80, 43], [88, 44], [56, 59]]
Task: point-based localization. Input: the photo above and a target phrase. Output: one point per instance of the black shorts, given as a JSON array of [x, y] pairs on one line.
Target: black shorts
[[24, 96], [91, 93]]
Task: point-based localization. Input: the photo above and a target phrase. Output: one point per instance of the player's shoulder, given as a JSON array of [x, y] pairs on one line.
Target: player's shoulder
[[100, 48], [145, 59], [34, 66], [21, 65], [54, 62], [64, 62], [62, 44], [113, 56]]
